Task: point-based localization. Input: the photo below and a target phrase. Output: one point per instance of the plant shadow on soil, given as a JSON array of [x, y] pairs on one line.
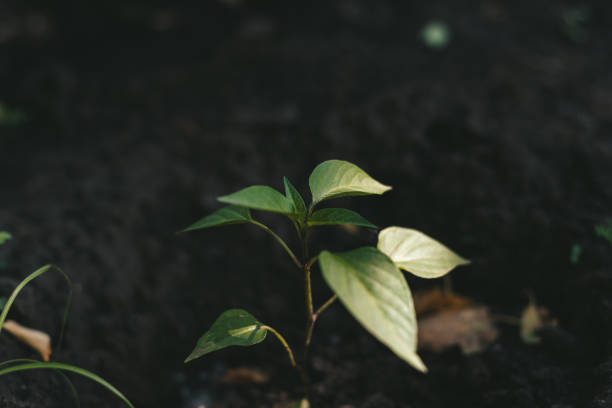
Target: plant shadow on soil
[[139, 115]]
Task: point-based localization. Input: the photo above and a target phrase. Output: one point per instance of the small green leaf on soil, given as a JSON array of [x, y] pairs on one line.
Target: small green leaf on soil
[[575, 253], [235, 327], [605, 231], [4, 236]]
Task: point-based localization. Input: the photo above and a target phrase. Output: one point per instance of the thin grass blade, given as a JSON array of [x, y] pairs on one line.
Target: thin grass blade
[[73, 391], [27, 280], [66, 367]]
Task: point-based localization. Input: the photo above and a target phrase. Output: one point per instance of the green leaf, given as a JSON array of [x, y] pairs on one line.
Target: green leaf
[[376, 293], [338, 216], [232, 214], [262, 198], [66, 367], [338, 178], [235, 327], [294, 196], [4, 236], [605, 230], [575, 253], [417, 253]]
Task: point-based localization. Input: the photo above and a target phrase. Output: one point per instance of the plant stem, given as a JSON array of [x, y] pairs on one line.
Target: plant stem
[[285, 344], [313, 319], [311, 315], [308, 292], [280, 241], [302, 372], [309, 307], [326, 305]]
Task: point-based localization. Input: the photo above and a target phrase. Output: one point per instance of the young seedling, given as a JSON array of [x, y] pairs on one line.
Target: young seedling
[[24, 364], [367, 280]]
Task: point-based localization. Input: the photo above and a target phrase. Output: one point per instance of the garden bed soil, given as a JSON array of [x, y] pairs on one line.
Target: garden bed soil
[[139, 114]]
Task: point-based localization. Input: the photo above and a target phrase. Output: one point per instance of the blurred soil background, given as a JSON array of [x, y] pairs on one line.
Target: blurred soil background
[[122, 121]]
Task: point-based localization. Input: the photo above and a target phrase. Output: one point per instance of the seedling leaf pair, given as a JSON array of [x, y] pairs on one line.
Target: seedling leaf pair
[[330, 179]]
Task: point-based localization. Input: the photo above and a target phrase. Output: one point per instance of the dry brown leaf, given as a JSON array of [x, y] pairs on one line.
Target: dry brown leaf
[[303, 403], [244, 375], [470, 328], [436, 300], [36, 339], [533, 319], [351, 229]]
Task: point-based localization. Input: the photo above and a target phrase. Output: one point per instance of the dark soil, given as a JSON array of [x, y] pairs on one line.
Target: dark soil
[[139, 114]]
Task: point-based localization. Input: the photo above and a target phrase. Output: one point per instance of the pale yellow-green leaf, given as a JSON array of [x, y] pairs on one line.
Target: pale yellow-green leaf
[[338, 178], [417, 253], [375, 292]]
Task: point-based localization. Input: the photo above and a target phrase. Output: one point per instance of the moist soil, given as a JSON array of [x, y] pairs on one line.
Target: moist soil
[[139, 114]]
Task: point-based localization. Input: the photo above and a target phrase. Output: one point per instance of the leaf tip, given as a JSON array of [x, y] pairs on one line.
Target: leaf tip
[[224, 199], [415, 361], [191, 227], [461, 261], [190, 357]]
